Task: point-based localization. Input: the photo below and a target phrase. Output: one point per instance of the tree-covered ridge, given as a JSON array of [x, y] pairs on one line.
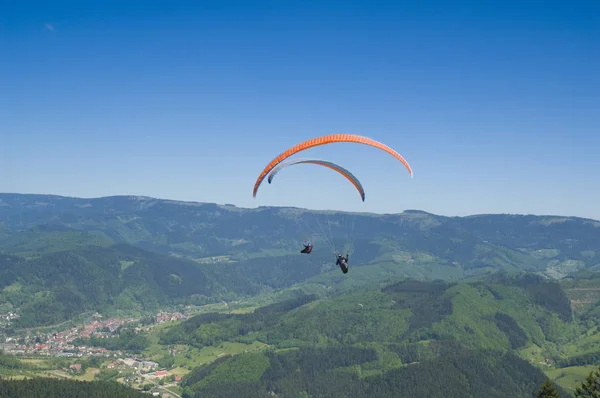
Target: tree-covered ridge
[[529, 315], [470, 337], [54, 287], [483, 314], [58, 388], [44, 238], [450, 371]]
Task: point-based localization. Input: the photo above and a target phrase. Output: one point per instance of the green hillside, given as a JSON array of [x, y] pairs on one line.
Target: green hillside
[[343, 372], [44, 239], [527, 315], [55, 388], [498, 313], [53, 287]]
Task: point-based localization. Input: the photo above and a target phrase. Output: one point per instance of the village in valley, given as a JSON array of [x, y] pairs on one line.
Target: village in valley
[[62, 343], [85, 361]]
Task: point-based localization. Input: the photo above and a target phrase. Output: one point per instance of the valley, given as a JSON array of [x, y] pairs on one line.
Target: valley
[[197, 298]]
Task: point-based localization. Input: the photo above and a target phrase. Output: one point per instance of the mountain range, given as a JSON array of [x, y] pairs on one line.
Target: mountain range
[[507, 294], [125, 252]]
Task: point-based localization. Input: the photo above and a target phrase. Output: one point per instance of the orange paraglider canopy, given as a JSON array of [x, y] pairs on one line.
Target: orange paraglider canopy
[[327, 139]]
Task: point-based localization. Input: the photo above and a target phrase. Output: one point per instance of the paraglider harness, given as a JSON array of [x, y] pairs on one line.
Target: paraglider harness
[[342, 262], [307, 248]]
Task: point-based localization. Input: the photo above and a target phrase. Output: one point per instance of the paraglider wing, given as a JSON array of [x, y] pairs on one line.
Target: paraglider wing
[[328, 139], [324, 163]]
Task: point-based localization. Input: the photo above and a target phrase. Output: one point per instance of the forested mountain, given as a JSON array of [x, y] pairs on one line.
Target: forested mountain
[[54, 287], [412, 338], [56, 388], [500, 312], [415, 243], [62, 256], [344, 372]]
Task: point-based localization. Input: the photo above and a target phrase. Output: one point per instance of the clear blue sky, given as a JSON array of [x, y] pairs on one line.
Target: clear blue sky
[[496, 106]]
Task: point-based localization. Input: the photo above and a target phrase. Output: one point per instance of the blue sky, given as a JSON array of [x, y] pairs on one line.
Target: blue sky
[[496, 106]]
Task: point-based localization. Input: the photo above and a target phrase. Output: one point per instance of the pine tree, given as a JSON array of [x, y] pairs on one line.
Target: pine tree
[[547, 390], [590, 388]]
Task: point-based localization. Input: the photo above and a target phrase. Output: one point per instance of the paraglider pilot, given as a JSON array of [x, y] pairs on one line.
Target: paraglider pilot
[[342, 262], [307, 248]]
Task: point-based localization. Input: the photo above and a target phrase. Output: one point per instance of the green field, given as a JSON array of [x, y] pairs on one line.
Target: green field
[[570, 377]]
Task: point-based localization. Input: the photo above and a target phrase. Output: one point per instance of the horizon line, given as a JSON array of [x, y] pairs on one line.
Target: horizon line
[[297, 208]]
